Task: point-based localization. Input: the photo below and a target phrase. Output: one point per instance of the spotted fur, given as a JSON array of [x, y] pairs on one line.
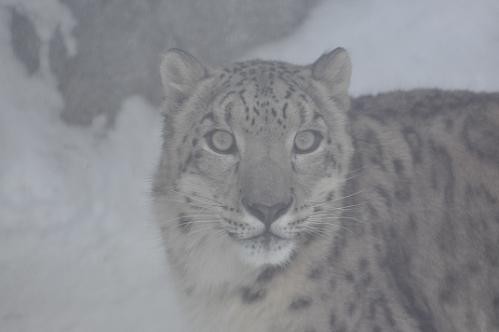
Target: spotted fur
[[393, 223]]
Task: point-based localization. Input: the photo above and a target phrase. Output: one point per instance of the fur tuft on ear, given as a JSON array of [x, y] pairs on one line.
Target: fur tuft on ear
[[334, 70], [180, 73]]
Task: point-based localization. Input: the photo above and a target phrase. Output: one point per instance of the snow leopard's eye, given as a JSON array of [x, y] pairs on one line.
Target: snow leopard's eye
[[221, 141], [307, 141]]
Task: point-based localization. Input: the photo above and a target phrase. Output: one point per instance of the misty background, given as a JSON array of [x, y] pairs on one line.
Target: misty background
[[80, 127]]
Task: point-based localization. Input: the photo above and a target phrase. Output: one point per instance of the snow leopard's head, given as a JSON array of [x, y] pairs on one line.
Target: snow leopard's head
[[255, 155]]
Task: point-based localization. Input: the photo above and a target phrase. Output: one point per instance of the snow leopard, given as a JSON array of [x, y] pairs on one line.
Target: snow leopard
[[287, 206]]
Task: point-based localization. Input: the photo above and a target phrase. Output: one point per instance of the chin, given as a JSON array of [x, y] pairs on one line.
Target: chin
[[266, 251]]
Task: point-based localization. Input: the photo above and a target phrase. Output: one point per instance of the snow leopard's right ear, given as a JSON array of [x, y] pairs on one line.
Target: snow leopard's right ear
[[334, 69], [180, 73]]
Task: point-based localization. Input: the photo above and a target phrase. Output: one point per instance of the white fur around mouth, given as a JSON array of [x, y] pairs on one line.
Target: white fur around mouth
[[266, 249]]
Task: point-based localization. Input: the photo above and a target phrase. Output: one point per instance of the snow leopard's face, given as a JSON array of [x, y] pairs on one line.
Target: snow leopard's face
[[256, 153]]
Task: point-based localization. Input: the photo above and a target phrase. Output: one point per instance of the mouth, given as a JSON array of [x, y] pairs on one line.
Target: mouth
[[265, 237], [266, 240], [265, 249]]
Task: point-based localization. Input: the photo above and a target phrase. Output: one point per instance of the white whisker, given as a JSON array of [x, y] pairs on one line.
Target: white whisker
[[198, 197]]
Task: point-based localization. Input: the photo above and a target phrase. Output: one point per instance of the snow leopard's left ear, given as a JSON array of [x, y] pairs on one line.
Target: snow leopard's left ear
[[180, 73], [334, 69]]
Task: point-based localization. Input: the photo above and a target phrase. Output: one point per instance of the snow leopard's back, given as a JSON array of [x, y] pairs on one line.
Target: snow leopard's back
[[428, 173]]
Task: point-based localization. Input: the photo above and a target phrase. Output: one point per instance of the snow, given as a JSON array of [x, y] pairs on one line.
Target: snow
[[402, 44], [79, 250]]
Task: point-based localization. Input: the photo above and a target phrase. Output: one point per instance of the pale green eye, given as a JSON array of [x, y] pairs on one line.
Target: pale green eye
[[221, 141], [307, 141]]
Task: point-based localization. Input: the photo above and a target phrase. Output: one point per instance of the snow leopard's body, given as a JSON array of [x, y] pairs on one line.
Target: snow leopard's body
[[387, 221]]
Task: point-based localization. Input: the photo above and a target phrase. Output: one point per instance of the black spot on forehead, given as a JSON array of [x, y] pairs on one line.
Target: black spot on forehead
[[264, 74], [259, 89], [228, 117], [227, 95], [284, 113], [317, 116], [228, 113], [302, 112]]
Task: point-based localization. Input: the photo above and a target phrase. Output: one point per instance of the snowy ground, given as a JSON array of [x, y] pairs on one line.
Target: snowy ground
[[78, 248]]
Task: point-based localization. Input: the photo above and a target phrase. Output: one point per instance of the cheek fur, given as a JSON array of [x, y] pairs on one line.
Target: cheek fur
[[213, 166], [315, 164]]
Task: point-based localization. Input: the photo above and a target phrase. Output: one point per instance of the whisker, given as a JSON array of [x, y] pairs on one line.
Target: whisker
[[198, 197], [355, 171], [337, 199], [216, 235], [328, 226], [338, 218], [345, 207], [202, 228], [194, 217], [202, 204], [317, 232], [214, 221], [349, 195]]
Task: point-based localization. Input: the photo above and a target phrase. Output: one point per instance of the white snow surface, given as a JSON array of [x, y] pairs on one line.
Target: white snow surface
[[402, 44], [79, 250]]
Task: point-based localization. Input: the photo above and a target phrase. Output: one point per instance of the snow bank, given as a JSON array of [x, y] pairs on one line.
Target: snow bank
[[79, 250], [403, 44]]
